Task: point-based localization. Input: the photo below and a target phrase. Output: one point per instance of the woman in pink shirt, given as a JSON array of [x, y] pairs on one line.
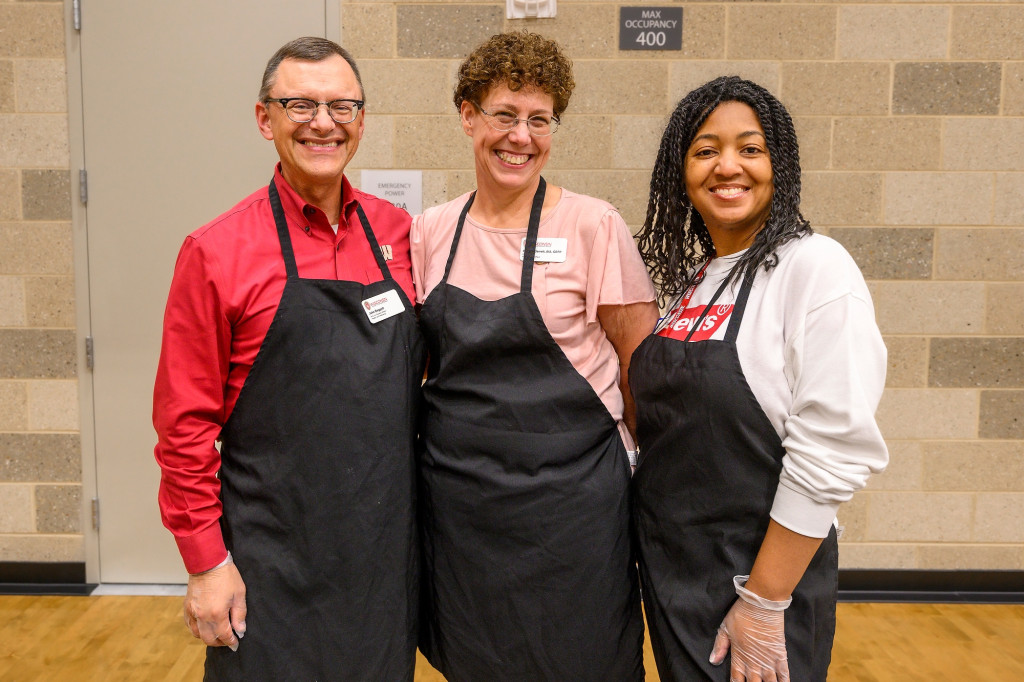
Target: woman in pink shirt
[[533, 299]]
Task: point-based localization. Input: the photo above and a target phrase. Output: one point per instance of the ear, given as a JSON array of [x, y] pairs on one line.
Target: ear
[[263, 121], [362, 122], [468, 115]]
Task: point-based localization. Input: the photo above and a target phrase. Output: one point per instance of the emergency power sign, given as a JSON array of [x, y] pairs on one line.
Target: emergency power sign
[[650, 28]]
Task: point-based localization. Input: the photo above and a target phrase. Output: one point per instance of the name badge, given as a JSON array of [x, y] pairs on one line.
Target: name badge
[[551, 250], [383, 306]]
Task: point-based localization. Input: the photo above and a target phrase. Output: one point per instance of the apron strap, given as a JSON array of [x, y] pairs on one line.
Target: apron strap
[[458, 233], [739, 307], [530, 250], [374, 246], [282, 232], [704, 313]]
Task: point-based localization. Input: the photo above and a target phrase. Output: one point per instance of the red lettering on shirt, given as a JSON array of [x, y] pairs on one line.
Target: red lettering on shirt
[[681, 321]]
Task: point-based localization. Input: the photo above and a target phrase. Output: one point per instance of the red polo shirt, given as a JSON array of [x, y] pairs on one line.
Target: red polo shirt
[[227, 284]]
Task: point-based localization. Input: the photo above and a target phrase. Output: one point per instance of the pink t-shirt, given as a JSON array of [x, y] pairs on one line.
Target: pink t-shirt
[[601, 267]]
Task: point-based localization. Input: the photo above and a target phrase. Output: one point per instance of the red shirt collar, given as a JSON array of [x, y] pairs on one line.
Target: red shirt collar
[[294, 205]]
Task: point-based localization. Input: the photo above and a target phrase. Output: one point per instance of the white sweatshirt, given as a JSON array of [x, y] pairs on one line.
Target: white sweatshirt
[[814, 359]]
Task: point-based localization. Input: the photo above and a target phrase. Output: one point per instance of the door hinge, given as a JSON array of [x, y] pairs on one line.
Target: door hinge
[[90, 358], [96, 513], [83, 186], [76, 12]]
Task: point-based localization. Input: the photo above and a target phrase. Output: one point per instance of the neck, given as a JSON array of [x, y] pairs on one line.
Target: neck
[[326, 198], [510, 210]]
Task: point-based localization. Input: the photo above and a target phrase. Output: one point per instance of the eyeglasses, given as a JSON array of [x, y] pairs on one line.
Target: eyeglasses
[[302, 110], [506, 121]]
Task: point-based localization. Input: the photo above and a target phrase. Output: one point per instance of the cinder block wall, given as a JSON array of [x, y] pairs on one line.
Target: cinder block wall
[[911, 122]]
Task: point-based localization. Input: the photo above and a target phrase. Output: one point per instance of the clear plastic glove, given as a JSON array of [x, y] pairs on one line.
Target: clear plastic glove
[[755, 629], [215, 606]]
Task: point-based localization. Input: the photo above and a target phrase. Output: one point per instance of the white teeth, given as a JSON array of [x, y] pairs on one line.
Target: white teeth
[[729, 191], [320, 144], [515, 159]]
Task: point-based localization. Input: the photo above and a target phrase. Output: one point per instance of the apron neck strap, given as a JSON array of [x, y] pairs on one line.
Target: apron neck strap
[[286, 241], [530, 250], [282, 232], [738, 308], [458, 233]]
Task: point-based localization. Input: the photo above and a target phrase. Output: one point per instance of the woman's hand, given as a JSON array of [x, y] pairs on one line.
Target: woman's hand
[[757, 635]]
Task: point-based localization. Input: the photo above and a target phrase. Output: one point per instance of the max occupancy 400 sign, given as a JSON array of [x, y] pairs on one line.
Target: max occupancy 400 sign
[[650, 28]]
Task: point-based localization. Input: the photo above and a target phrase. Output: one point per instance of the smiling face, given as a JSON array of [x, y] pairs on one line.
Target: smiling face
[[314, 154], [729, 176], [510, 160]]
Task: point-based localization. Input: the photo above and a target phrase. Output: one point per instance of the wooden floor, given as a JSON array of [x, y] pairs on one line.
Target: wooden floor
[[114, 639]]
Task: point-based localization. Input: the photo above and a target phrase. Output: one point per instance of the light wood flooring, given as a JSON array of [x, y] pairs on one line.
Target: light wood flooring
[[122, 638]]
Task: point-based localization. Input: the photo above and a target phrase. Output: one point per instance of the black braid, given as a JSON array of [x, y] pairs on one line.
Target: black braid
[[671, 250]]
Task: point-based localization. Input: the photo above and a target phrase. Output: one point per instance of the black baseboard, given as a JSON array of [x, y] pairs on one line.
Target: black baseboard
[[978, 587], [47, 589], [36, 572]]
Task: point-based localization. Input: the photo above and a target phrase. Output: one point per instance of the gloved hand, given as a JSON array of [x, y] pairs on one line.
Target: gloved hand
[[215, 605], [755, 629]]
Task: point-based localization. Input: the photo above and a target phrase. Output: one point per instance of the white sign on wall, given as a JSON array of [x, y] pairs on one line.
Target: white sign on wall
[[403, 188]]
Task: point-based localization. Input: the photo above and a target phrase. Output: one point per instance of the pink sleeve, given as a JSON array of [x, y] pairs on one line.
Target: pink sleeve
[[617, 274], [418, 253]]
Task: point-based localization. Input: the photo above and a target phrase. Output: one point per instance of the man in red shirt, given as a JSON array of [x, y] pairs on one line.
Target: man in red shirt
[[290, 338]]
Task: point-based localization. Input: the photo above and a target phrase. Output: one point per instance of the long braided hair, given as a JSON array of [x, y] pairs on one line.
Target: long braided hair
[[674, 239]]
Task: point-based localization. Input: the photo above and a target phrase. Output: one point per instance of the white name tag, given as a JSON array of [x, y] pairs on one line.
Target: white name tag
[[551, 250], [383, 306]]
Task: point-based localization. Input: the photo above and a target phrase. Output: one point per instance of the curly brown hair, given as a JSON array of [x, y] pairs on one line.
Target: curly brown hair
[[516, 59]]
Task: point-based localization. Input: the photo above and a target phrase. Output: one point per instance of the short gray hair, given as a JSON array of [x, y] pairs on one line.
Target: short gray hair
[[306, 49]]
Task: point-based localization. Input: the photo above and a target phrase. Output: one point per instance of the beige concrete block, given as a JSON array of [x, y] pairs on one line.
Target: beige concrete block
[[887, 143], [407, 86], [59, 508], [968, 466], [876, 555], [435, 188], [12, 302], [929, 307], [1002, 414], [958, 362], [46, 194], [27, 457], [908, 413], [830, 198], [1008, 209], [445, 31], [368, 32], [920, 517], [32, 30], [981, 144], [641, 86], [583, 31], [460, 182], [889, 252], [53, 405], [50, 301], [626, 190], [6, 86], [1004, 308], [999, 517], [449, 146], [10, 195], [13, 405], [42, 548], [578, 143], [980, 254], [636, 140], [815, 136], [904, 470], [41, 85], [376, 149], [943, 88], [965, 557], [781, 32], [836, 88], [893, 32], [16, 508], [1013, 89], [853, 517], [34, 140], [908, 362], [928, 199], [686, 75], [37, 354], [987, 32], [703, 32]]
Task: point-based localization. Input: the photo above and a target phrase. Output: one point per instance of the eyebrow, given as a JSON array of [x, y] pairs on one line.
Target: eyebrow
[[710, 136]]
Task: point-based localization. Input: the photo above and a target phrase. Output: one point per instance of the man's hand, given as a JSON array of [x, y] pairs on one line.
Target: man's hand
[[215, 606]]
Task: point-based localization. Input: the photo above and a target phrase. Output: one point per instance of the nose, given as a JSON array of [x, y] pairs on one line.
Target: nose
[[728, 163], [322, 119], [521, 133]]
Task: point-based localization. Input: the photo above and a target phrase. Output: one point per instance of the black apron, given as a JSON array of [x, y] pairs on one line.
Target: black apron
[[318, 485], [529, 574], [709, 467]]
